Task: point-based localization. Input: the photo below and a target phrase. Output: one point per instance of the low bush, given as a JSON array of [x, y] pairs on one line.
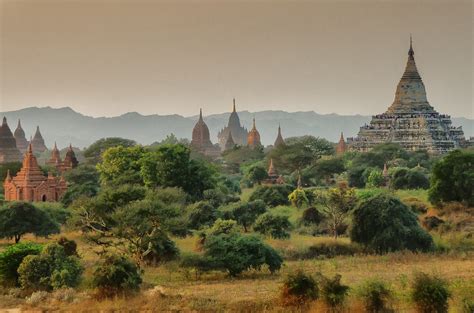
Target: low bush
[[430, 293], [70, 246], [11, 258], [275, 225], [467, 305], [376, 295], [298, 289], [333, 293], [38, 297], [322, 250], [432, 222], [51, 269], [417, 206], [115, 276], [311, 216]]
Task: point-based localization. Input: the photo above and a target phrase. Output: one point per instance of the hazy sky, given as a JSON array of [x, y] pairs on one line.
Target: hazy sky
[[154, 57]]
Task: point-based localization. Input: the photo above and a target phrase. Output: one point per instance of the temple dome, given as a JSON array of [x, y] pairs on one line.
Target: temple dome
[[253, 138], [201, 137], [38, 141]]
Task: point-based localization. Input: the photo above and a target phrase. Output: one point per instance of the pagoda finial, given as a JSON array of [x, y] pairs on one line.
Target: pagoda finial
[[4, 120], [8, 178], [19, 124], [30, 148], [200, 113], [254, 127], [55, 146], [411, 53], [342, 136], [233, 108]]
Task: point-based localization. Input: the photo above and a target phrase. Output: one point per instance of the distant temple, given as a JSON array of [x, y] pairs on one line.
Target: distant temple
[[20, 138], [341, 145], [279, 141], [8, 149], [410, 121], [239, 133], [70, 160], [31, 185], [201, 140], [229, 144], [38, 142], [273, 177], [253, 138]]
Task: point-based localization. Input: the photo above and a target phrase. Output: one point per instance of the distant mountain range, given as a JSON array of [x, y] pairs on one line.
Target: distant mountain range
[[66, 126]]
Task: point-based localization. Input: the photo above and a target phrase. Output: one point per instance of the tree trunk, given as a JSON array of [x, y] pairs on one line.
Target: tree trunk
[[17, 238]]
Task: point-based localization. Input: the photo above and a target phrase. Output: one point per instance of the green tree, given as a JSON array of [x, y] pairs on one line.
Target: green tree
[[11, 258], [375, 179], [372, 228], [452, 178], [325, 169], [93, 153], [298, 198], [275, 225], [236, 253], [244, 213], [234, 158], [272, 195], [256, 174], [19, 218], [336, 205], [201, 214], [121, 165], [82, 181]]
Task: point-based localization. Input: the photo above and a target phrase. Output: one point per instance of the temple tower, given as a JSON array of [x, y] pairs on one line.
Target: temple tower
[[20, 138], [279, 141], [239, 133], [55, 159], [253, 138], [38, 142], [70, 160], [341, 145], [8, 149]]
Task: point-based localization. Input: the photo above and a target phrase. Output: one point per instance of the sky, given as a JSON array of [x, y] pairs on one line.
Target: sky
[[106, 58]]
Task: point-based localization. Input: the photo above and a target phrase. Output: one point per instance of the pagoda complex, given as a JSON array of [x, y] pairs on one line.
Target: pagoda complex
[[201, 139], [69, 162], [20, 138], [8, 149], [31, 185], [253, 138], [410, 121], [239, 133], [38, 142]]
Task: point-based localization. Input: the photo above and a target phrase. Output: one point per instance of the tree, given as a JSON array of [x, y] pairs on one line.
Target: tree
[[244, 213], [19, 218], [11, 258], [201, 214], [121, 165], [51, 269], [272, 195], [452, 178], [383, 223], [336, 205], [298, 198], [326, 168], [93, 153], [275, 225], [236, 253], [300, 152], [375, 179], [82, 181], [256, 174], [234, 158]]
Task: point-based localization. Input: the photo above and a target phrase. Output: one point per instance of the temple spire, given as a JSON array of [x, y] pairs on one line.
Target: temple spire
[[411, 53], [200, 114], [233, 107], [254, 127], [4, 121]]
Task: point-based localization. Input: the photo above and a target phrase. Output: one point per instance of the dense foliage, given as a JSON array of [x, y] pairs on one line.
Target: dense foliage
[[299, 288], [383, 223], [272, 195], [430, 293], [11, 258], [274, 225]]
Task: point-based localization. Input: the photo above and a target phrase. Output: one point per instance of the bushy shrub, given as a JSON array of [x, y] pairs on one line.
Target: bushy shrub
[[467, 305], [299, 288], [70, 246], [236, 253], [372, 227], [432, 222], [333, 293], [201, 214], [376, 295], [272, 195], [298, 198], [311, 216], [11, 258], [116, 275], [275, 225], [51, 269], [38, 297], [158, 248], [323, 250], [430, 293], [244, 213]]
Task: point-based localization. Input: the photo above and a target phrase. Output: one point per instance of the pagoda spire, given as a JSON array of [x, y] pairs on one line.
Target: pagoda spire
[[254, 127], [233, 107], [200, 114], [19, 124], [8, 178], [4, 122], [411, 53]]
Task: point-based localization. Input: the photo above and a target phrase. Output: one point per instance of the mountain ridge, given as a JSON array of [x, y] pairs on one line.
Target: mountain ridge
[[65, 125]]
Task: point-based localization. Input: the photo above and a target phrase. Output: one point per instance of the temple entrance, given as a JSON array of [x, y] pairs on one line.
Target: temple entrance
[[43, 198]]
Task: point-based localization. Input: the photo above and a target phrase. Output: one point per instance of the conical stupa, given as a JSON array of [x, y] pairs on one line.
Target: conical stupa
[[8, 149]]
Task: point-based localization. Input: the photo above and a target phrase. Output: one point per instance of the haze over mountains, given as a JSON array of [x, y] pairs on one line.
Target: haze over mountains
[[66, 126]]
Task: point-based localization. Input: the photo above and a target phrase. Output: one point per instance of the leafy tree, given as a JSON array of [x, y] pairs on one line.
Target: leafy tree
[[452, 178], [375, 179], [298, 198], [121, 165], [51, 269], [244, 213], [19, 218], [236, 253], [275, 225], [324, 169], [300, 152], [256, 174], [11, 258], [404, 178], [82, 181], [272, 195], [312, 216], [116, 275], [372, 227], [93, 153], [234, 158], [336, 205], [201, 214]]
